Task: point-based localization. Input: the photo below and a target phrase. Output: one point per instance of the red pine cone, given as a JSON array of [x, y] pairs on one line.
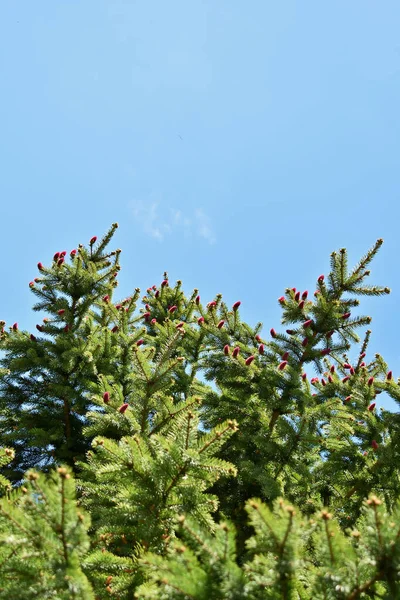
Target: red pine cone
[[374, 445], [282, 365], [304, 295], [304, 376], [72, 253], [115, 329], [139, 342], [32, 337], [345, 379], [346, 366], [297, 296], [157, 293], [106, 298], [362, 364], [352, 371], [93, 240], [146, 316], [164, 283], [325, 351], [389, 376], [31, 284], [181, 324], [211, 305], [330, 334], [301, 305], [307, 323], [347, 399], [346, 315], [40, 266], [370, 381], [39, 327], [304, 342], [249, 360], [330, 379], [323, 382], [290, 331], [235, 351], [123, 408], [66, 328], [200, 320], [285, 356], [153, 321], [321, 278], [273, 333], [362, 355], [61, 311], [236, 305], [172, 309], [220, 324], [197, 299], [282, 300], [261, 349], [63, 253], [258, 338], [371, 406], [226, 349], [56, 256], [106, 397], [332, 369], [60, 262]]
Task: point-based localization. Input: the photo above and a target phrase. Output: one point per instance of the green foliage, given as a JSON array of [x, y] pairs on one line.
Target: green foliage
[[177, 429], [43, 536]]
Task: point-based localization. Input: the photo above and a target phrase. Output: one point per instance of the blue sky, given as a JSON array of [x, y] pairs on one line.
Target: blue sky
[[236, 143]]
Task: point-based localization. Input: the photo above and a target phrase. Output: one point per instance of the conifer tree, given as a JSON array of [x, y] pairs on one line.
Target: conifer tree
[[45, 376], [208, 460]]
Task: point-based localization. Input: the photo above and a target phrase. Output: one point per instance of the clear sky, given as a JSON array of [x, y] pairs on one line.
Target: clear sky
[[236, 143]]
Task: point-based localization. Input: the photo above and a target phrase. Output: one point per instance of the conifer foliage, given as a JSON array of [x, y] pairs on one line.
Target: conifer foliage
[[159, 447]]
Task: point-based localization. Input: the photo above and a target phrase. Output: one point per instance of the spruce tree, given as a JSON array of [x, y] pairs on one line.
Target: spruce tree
[[197, 456]]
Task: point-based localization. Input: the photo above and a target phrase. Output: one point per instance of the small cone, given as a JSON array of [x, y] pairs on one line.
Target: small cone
[[261, 349], [220, 324], [123, 408], [106, 397], [226, 349], [374, 445], [249, 360], [236, 305], [235, 351], [371, 406], [282, 365]]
